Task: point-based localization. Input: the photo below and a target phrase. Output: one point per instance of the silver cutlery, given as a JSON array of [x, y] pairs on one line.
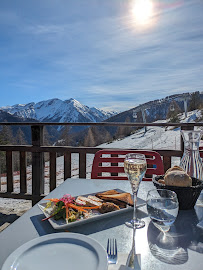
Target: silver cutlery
[[112, 251]]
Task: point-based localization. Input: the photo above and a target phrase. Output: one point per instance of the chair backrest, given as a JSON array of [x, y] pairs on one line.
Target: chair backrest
[[109, 164], [201, 151]]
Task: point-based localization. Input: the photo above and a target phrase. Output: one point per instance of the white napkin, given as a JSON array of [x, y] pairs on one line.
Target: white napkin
[[123, 267], [121, 264], [122, 258]]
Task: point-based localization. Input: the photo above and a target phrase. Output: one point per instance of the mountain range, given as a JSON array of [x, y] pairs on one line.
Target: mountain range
[[56, 110], [71, 110]]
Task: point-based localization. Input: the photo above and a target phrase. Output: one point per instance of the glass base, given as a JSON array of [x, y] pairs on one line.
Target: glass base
[[135, 224], [163, 229]]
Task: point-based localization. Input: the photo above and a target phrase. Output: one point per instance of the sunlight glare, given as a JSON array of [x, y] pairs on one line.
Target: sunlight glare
[[143, 11]]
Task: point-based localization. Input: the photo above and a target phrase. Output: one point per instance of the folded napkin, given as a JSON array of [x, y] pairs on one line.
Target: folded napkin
[[122, 258], [121, 264], [123, 267]]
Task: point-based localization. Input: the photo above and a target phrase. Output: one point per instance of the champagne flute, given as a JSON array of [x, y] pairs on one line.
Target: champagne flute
[[135, 166]]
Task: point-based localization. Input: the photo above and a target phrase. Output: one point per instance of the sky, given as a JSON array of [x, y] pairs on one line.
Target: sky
[[109, 54]]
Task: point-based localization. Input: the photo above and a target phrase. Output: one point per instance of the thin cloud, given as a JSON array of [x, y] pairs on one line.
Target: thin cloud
[[44, 29]]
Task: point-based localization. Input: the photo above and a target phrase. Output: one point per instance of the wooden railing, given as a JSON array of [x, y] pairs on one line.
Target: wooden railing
[[37, 149]]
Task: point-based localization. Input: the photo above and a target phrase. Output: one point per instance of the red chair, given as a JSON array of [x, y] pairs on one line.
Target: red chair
[[110, 162]]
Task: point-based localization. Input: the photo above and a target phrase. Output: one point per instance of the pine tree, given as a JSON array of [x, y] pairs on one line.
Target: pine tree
[[6, 135], [20, 137], [2, 157], [173, 112], [106, 137], [195, 102], [124, 131], [65, 138], [89, 140], [47, 137]]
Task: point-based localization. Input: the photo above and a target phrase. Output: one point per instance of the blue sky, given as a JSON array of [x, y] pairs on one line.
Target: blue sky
[[99, 52]]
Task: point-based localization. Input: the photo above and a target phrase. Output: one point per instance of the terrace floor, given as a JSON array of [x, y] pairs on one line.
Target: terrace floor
[[7, 216]]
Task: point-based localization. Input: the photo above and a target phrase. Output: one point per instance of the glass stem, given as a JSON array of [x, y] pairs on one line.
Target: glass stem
[[134, 206]]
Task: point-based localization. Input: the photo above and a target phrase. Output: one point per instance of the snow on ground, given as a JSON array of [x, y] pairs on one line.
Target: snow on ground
[[153, 138]]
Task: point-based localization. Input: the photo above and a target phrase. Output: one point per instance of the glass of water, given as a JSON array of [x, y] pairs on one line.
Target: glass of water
[[162, 207]]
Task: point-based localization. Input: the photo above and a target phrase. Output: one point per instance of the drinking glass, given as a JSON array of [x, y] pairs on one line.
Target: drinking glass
[[162, 207], [135, 166]]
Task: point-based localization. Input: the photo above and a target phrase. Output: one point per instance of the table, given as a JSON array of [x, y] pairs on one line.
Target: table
[[183, 249]]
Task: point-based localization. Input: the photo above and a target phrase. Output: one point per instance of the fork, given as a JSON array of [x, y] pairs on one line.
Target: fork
[[112, 251]]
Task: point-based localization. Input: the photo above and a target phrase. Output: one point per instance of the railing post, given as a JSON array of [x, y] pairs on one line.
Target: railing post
[[9, 169], [67, 165], [23, 173], [82, 164], [52, 169], [37, 163]]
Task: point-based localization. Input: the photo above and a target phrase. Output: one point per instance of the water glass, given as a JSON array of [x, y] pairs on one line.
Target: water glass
[[162, 207]]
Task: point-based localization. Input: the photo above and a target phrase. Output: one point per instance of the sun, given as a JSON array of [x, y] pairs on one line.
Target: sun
[[143, 11]]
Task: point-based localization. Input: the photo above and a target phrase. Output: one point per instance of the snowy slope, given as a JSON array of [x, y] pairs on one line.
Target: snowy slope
[[155, 137], [57, 110]]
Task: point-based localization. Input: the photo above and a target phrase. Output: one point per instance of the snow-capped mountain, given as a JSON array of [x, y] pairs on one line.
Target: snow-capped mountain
[[56, 110]]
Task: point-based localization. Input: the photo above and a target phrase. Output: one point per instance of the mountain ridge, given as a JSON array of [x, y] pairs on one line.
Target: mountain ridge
[[158, 109], [56, 110]]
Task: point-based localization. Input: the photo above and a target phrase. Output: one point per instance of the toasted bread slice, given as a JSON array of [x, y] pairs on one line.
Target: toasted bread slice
[[118, 198], [109, 192]]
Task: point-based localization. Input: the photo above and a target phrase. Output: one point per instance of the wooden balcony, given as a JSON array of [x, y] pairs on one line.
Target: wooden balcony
[[37, 150]]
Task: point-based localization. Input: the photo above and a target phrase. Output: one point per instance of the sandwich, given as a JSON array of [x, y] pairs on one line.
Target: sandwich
[[120, 199], [88, 201]]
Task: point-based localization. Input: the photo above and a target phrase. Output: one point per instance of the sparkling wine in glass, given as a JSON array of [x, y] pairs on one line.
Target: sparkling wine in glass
[[135, 166]]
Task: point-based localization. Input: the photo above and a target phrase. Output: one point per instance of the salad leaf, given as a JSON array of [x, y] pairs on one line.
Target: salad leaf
[[59, 210]]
